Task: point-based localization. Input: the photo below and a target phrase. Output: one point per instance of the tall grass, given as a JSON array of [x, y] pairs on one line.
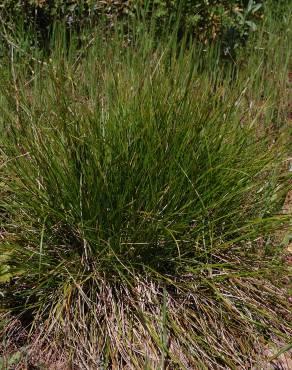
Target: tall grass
[[142, 185]]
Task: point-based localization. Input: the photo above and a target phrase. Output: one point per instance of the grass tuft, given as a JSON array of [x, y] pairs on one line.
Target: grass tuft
[[141, 195]]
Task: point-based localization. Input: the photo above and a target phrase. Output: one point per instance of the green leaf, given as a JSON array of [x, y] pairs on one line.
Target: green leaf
[[252, 25], [256, 8]]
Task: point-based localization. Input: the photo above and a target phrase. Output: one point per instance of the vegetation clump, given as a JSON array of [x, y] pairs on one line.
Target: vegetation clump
[[141, 194], [206, 20]]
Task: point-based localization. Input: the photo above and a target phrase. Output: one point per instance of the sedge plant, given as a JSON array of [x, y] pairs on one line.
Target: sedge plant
[[141, 195]]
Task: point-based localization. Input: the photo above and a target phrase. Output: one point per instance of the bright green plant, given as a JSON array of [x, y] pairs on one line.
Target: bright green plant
[[140, 198]]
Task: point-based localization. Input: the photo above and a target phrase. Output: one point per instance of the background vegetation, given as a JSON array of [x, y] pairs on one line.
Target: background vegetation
[[142, 182], [205, 19]]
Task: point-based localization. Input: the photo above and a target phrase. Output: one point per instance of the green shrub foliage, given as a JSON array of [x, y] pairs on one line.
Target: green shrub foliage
[[206, 19]]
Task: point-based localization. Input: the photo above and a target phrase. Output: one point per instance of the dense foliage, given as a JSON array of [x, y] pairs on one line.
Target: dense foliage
[[141, 193], [204, 19]]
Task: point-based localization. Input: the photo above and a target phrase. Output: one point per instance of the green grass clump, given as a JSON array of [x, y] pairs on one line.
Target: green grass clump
[[141, 193]]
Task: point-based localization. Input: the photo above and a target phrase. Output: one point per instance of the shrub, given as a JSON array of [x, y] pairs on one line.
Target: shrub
[[204, 19]]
